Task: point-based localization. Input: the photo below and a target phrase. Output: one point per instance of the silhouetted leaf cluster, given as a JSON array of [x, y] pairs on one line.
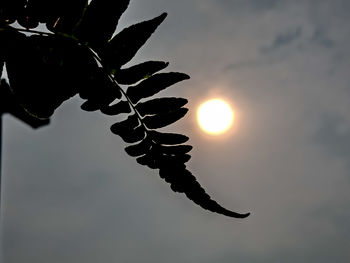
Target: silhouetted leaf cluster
[[82, 56], [8, 104]]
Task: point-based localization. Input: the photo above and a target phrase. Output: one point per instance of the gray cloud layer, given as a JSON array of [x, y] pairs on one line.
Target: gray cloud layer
[[72, 195]]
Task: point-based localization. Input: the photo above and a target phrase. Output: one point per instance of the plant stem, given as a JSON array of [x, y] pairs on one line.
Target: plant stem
[[111, 77]]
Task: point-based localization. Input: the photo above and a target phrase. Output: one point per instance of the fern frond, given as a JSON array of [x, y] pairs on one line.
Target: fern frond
[[81, 57]]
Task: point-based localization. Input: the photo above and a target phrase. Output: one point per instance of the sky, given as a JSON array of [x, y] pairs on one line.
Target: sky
[[71, 194]]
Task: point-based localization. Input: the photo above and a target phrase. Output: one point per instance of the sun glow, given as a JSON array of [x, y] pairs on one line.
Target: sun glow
[[215, 116]]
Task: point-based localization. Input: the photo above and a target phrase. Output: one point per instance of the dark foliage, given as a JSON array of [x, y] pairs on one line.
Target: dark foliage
[[9, 104], [81, 56]]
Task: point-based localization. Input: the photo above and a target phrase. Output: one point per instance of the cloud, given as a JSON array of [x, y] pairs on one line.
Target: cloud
[[333, 134], [283, 39], [319, 37], [284, 45], [248, 4]]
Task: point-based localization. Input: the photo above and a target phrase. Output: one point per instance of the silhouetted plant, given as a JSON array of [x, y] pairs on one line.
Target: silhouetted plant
[[79, 55]]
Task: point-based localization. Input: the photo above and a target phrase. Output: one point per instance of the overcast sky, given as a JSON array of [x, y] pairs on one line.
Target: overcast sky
[[71, 194]]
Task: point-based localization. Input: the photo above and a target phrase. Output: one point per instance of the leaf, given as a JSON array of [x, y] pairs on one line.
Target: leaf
[[90, 106], [130, 123], [162, 120], [162, 105], [27, 20], [168, 138], [154, 84], [10, 39], [183, 181], [99, 87], [66, 14], [44, 71], [133, 135], [180, 158], [59, 15], [139, 72], [123, 47], [10, 10], [129, 130], [8, 104], [35, 10], [139, 149], [118, 108], [100, 21], [101, 100], [100, 92], [148, 160], [1, 63], [177, 150]]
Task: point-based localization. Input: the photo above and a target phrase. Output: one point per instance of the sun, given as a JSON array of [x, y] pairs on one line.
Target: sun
[[215, 116]]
